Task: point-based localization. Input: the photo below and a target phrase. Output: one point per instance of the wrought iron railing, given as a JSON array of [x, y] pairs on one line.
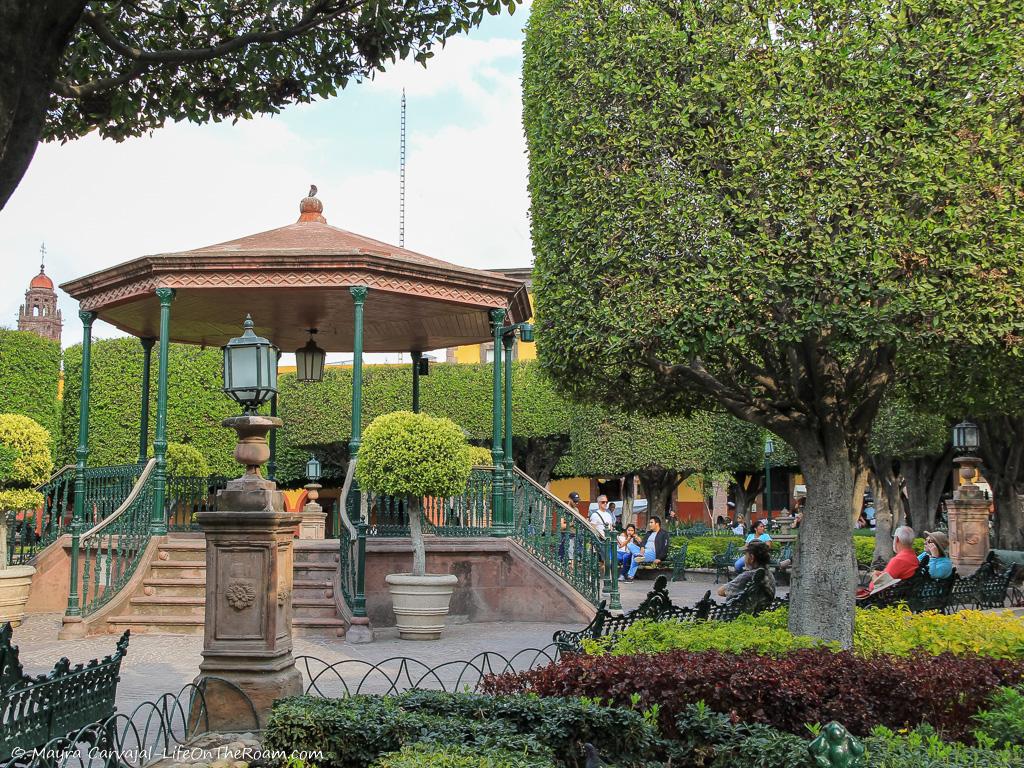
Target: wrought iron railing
[[351, 545], [187, 496], [110, 551], [106, 488], [468, 514], [557, 536]]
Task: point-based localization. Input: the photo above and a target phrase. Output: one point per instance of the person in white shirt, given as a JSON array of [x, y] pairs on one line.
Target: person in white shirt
[[601, 518]]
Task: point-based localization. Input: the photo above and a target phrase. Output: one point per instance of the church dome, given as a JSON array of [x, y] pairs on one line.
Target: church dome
[[41, 281]]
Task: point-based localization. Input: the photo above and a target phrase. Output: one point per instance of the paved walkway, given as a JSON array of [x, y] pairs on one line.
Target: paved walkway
[[158, 664]]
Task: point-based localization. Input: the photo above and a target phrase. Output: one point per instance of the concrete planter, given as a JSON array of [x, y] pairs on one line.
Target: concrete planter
[[15, 582], [421, 603]]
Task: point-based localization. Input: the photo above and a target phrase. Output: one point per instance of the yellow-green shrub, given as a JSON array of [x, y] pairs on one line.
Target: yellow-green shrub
[[864, 546], [480, 456], [28, 462], [893, 631]]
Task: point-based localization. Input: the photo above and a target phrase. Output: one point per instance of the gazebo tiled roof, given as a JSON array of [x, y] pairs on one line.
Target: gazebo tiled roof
[[297, 277]]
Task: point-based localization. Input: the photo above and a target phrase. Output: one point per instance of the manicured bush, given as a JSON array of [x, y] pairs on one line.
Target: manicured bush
[[185, 460], [745, 634], [699, 556], [805, 686], [716, 544], [924, 748], [353, 732], [29, 461], [30, 377], [1002, 723], [480, 457], [451, 756]]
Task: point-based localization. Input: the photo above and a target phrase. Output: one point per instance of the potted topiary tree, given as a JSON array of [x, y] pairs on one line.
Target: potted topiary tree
[[25, 463], [416, 456]]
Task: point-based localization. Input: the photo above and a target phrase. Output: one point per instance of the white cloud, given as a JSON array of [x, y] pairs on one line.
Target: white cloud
[[97, 203]]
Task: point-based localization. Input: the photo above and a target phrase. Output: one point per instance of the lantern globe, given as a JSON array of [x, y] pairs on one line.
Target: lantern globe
[[309, 361], [966, 437], [769, 447], [250, 368], [313, 469]]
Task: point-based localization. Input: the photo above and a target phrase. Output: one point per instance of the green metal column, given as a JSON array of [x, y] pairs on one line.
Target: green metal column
[[147, 359], [508, 520], [416, 358], [158, 518], [358, 298], [78, 521], [498, 486], [272, 463]]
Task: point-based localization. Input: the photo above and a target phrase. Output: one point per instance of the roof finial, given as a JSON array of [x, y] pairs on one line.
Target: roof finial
[[311, 209], [42, 258]]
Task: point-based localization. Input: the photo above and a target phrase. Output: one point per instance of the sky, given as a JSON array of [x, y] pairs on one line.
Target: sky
[[98, 203]]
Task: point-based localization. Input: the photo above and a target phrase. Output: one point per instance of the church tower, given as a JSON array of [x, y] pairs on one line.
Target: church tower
[[39, 313]]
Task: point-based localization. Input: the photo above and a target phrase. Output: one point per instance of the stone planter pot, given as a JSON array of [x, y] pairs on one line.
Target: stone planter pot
[[421, 603], [15, 582]]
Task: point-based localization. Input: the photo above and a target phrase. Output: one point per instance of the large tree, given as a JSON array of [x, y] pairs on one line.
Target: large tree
[[768, 206], [125, 67]]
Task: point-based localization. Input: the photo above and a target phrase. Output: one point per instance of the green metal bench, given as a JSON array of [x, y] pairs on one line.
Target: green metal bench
[[66, 700], [776, 562], [723, 562], [919, 593], [674, 567]]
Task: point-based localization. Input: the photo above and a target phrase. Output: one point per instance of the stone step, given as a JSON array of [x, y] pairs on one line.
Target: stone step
[[305, 607], [182, 569], [174, 587], [318, 627], [310, 568], [158, 625], [183, 549], [168, 605]]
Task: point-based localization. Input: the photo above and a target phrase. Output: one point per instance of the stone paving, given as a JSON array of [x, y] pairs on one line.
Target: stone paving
[[158, 664]]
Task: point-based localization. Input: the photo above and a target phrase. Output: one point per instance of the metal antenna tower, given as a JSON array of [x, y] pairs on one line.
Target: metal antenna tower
[[401, 182]]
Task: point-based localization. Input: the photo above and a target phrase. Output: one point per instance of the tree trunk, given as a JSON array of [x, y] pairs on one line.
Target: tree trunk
[[659, 484], [628, 497], [822, 598], [33, 36], [1002, 451], [885, 487], [747, 488], [1009, 521], [926, 478], [419, 552], [537, 456]]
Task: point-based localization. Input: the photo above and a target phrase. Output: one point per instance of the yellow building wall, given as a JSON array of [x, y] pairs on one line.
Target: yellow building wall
[[687, 493], [562, 488]]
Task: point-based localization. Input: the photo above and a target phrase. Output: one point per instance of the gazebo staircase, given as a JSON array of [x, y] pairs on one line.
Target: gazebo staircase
[[171, 595]]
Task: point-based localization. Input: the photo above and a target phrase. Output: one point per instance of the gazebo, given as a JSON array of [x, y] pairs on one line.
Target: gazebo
[[362, 295]]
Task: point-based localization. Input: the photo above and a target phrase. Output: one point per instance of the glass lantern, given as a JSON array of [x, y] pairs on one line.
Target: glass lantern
[[309, 361], [250, 369], [313, 469], [966, 438]]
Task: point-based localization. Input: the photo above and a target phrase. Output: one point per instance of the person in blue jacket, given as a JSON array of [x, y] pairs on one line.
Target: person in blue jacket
[[936, 549]]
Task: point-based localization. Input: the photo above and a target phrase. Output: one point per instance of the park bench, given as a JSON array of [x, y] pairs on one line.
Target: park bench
[[919, 593], [985, 588], [657, 606], [723, 562], [57, 704], [674, 567], [776, 563]]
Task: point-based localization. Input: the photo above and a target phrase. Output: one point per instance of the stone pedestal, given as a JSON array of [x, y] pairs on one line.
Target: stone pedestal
[[968, 533], [247, 646], [314, 519]]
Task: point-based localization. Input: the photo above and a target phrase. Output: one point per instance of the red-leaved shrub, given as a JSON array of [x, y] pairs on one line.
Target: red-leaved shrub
[[808, 686]]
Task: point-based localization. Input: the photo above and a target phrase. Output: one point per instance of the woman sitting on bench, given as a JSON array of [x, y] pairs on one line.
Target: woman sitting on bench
[[756, 555]]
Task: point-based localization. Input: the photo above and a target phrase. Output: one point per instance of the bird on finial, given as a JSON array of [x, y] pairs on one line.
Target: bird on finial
[[312, 190]]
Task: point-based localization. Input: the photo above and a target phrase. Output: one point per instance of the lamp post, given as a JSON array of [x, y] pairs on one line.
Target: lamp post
[[247, 643], [967, 511], [309, 360], [525, 331], [769, 449], [313, 515]]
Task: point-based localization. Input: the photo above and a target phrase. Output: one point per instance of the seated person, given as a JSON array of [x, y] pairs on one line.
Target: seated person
[[936, 547], [902, 565], [629, 548], [758, 534], [655, 548], [756, 556]]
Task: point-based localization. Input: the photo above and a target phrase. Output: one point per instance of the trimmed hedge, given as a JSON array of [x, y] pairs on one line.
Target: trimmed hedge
[[30, 377], [452, 756], [786, 692], [29, 461], [354, 732]]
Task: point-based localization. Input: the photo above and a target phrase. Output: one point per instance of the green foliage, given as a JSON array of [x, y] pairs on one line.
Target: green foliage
[[29, 377], [711, 739], [246, 59], [745, 634], [864, 548], [8, 455], [184, 460], [195, 403], [904, 431], [454, 756], [407, 454], [28, 461], [1003, 724], [925, 748], [355, 731], [699, 556], [480, 457]]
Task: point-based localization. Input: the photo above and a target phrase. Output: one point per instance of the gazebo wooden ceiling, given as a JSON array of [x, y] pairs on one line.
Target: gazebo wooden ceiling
[[297, 277]]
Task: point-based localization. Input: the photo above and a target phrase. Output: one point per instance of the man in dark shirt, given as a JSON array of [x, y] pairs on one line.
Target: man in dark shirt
[[654, 549]]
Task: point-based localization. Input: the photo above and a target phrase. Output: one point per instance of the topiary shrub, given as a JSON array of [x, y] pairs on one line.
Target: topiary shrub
[[480, 456], [455, 756], [413, 455], [29, 461], [185, 460]]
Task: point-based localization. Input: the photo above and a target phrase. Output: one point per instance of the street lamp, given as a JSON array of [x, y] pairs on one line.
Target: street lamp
[[309, 360], [250, 369], [966, 438], [769, 449]]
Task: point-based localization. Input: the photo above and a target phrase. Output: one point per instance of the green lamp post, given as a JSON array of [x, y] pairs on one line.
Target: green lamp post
[[769, 449]]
